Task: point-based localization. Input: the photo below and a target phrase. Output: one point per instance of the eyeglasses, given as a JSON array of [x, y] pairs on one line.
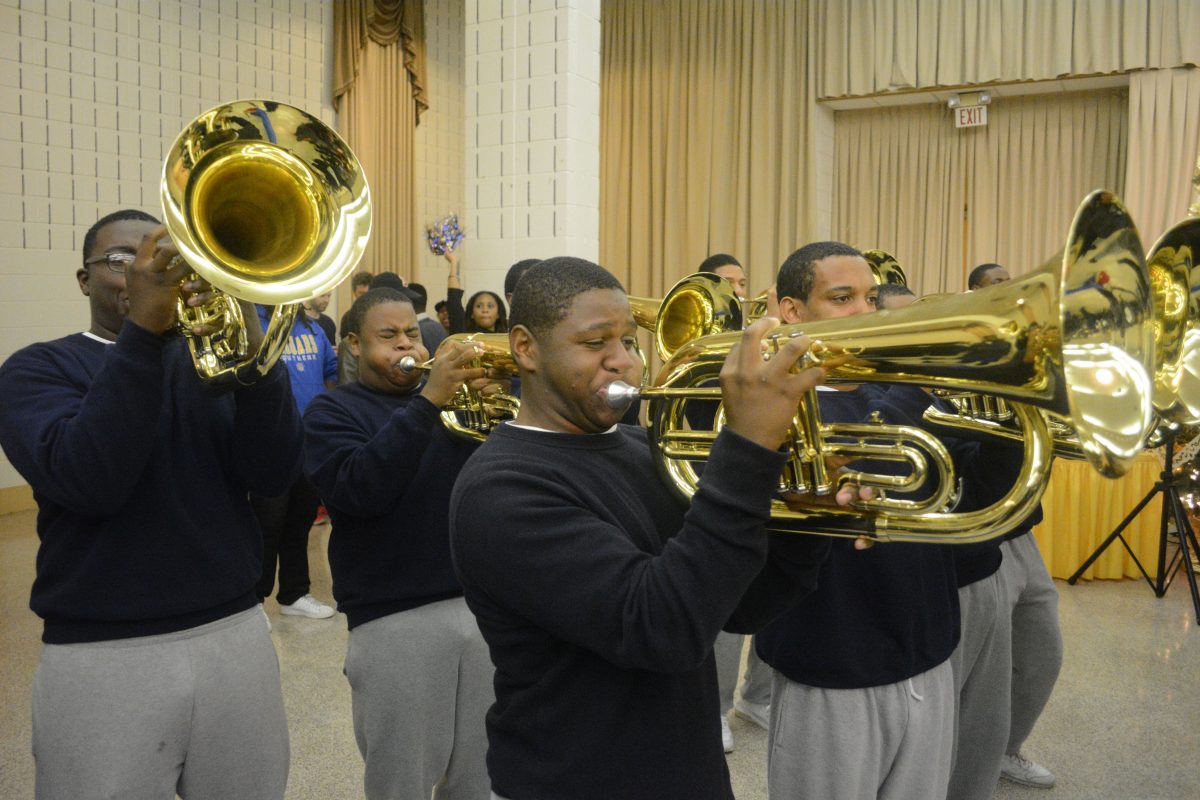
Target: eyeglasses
[[117, 262]]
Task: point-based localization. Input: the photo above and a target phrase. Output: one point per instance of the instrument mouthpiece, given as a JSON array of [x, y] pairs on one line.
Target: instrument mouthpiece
[[407, 364], [620, 394]]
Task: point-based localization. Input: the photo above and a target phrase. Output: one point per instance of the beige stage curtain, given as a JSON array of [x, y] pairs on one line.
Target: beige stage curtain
[[378, 75], [1164, 139], [943, 200], [873, 46], [705, 140]]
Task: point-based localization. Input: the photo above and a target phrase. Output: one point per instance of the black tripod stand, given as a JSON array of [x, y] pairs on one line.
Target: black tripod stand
[[1169, 485]]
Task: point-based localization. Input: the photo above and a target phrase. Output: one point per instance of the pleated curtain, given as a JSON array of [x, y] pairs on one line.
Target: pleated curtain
[[379, 94], [1164, 147], [706, 137], [943, 200]]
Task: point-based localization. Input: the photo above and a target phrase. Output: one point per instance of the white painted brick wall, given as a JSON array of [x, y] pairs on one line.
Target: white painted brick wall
[[532, 122], [92, 93]]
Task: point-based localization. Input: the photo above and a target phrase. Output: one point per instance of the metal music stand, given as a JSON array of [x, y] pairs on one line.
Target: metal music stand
[[1170, 485]]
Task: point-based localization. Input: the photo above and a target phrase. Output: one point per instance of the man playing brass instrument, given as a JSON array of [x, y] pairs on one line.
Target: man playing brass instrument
[[598, 593], [158, 675], [864, 698]]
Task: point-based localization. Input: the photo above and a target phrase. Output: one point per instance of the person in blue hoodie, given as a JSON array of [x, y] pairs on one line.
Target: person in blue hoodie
[[419, 672], [286, 519], [158, 675]]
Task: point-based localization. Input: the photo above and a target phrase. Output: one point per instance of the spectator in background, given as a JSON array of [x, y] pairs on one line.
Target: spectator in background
[[359, 285], [286, 519], [443, 314], [314, 309], [987, 274], [726, 266], [432, 332], [892, 296], [486, 313], [514, 274]]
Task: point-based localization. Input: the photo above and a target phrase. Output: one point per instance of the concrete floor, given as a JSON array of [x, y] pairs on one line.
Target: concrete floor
[[1124, 721]]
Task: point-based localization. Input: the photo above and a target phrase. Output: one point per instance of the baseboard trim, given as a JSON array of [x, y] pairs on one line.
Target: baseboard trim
[[16, 498]]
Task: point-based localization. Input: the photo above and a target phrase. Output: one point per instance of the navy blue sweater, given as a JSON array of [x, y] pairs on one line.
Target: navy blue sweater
[[384, 465], [885, 614], [141, 478], [600, 596]]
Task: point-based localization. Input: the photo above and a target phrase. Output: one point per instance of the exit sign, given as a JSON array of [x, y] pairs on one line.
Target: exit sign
[[970, 116]]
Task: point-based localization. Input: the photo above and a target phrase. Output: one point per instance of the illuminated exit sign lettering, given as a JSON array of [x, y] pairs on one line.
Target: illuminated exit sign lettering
[[970, 116]]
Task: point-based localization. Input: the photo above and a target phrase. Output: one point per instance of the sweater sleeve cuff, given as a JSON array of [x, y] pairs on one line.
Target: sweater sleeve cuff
[[744, 472], [424, 409]]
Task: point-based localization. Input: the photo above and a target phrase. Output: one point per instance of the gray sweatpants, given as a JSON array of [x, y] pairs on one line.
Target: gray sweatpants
[[198, 712], [888, 742], [421, 682], [1037, 645], [756, 687], [982, 665]]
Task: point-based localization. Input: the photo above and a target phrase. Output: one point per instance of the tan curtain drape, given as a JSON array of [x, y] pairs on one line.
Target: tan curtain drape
[[873, 46], [378, 66], [1164, 139], [943, 200], [705, 140]]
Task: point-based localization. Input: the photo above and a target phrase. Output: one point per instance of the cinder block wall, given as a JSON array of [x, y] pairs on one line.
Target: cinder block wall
[[92, 93]]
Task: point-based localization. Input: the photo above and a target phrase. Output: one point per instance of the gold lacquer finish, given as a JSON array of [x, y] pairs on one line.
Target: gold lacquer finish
[[470, 414], [1073, 338], [269, 205], [885, 267], [1174, 263], [699, 305]]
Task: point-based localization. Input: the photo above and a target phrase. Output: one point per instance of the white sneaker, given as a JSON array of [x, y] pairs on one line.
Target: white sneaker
[[726, 735], [307, 606], [1019, 769], [758, 713]]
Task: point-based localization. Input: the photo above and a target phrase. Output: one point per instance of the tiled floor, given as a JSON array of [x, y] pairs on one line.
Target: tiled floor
[[1124, 721]]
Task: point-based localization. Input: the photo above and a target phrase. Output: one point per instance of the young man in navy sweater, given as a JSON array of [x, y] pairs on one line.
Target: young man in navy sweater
[[599, 593], [158, 675], [377, 452], [864, 698]]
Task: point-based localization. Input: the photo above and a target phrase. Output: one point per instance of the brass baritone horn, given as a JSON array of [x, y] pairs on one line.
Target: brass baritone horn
[[470, 414], [1173, 266], [269, 205], [699, 305], [1074, 339]]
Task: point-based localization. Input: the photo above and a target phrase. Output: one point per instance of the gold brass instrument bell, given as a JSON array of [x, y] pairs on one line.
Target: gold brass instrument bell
[[269, 205], [470, 414], [698, 305], [1073, 338], [1173, 266]]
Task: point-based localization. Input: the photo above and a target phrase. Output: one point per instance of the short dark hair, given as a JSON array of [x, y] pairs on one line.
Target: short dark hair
[[360, 279], [975, 279], [545, 293], [439, 305], [419, 295], [501, 320], [388, 280], [716, 260], [89, 238], [515, 272], [796, 275], [373, 297], [887, 290]]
